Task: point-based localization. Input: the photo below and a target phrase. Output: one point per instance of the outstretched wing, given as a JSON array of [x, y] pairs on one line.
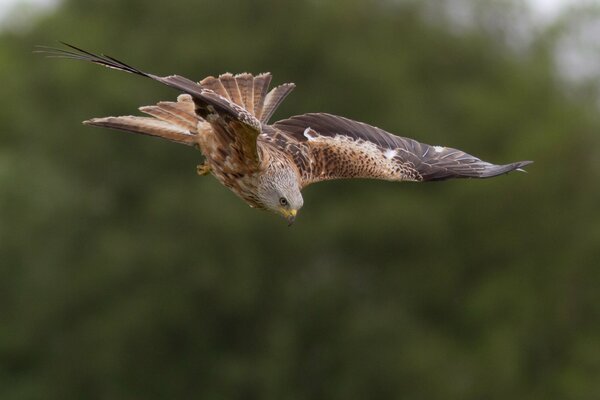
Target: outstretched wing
[[236, 127], [326, 146], [174, 121]]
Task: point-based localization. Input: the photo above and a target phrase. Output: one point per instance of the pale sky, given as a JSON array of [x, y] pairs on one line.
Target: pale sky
[[7, 5], [548, 8]]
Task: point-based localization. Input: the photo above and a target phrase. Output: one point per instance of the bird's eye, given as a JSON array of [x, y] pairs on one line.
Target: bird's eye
[[283, 201]]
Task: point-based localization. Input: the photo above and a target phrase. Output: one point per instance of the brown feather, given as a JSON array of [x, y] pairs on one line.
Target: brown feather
[[245, 83], [215, 85], [181, 113], [146, 126], [261, 87], [231, 86], [274, 99]]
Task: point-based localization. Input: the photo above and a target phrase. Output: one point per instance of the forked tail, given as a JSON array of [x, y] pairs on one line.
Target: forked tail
[[250, 92]]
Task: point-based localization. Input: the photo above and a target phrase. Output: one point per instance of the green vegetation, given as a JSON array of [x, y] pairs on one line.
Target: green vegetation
[[123, 275]]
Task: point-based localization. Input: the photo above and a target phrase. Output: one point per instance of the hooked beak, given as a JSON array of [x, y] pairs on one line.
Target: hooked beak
[[290, 215]]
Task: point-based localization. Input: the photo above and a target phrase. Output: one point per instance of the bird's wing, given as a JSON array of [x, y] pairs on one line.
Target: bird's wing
[[225, 110], [326, 146], [174, 121]]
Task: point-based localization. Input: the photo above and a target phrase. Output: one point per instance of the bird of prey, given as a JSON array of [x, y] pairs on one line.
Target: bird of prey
[[268, 165]]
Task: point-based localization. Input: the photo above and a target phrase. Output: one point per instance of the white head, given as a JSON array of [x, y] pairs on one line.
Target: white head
[[279, 191]]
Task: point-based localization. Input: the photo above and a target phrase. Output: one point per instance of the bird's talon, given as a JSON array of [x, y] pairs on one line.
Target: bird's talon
[[203, 169]]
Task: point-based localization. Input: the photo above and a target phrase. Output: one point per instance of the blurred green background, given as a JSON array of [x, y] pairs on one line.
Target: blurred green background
[[123, 275]]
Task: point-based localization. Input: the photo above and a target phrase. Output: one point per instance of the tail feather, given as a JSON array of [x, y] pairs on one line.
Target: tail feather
[[230, 83], [274, 99], [261, 87], [215, 85], [250, 92], [245, 83]]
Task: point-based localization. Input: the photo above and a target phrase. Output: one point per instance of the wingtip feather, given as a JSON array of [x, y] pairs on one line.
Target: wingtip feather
[[92, 121], [520, 164]]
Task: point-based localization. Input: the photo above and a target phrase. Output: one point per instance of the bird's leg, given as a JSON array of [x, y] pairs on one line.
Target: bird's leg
[[203, 169]]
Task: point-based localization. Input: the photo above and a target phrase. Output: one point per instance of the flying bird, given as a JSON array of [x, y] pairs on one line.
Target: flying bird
[[268, 165]]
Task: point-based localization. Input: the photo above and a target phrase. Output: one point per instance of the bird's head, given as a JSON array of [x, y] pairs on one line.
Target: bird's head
[[279, 191]]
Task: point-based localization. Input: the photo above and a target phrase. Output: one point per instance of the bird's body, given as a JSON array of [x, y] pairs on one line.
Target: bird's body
[[268, 165]]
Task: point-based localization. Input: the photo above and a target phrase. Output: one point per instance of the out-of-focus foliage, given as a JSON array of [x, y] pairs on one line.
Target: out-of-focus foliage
[[123, 275]]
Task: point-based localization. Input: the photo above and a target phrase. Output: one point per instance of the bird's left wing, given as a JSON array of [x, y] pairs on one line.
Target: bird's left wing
[[326, 146], [237, 128]]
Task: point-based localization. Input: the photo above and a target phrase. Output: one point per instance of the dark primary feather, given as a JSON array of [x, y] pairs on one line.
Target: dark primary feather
[[430, 162], [79, 54]]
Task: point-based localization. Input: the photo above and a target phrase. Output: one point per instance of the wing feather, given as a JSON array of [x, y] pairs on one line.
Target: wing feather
[[147, 126], [179, 113], [336, 147]]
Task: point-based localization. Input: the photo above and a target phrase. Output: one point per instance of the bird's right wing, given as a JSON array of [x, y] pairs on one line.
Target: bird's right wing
[[326, 146]]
